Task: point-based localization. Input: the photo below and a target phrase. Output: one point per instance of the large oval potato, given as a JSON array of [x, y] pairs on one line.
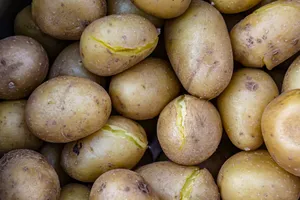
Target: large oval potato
[[23, 66], [189, 130], [66, 109], [242, 104], [75, 191], [292, 77], [175, 182], [234, 6], [64, 19], [268, 36], [25, 174], [254, 175], [121, 143], [199, 49], [115, 43]]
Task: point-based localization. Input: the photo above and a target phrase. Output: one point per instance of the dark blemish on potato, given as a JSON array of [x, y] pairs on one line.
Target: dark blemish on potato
[[216, 62], [85, 23], [248, 78], [110, 165], [97, 101], [241, 133], [102, 187], [272, 186], [247, 27], [110, 24], [117, 60], [250, 42], [77, 147], [124, 37], [295, 42], [139, 105], [65, 126], [108, 51], [196, 140], [264, 37], [251, 86], [144, 86], [249, 116], [108, 31], [82, 55], [271, 46], [143, 187], [253, 136], [239, 143], [258, 40], [91, 148], [62, 4], [144, 40], [53, 122], [209, 51], [127, 189], [271, 135], [25, 169], [62, 108], [3, 62]]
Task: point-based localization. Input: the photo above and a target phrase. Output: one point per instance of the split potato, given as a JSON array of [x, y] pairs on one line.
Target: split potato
[[292, 77], [75, 191]]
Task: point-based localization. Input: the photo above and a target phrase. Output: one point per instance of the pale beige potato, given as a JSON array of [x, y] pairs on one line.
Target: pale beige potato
[[75, 191], [292, 77], [234, 6]]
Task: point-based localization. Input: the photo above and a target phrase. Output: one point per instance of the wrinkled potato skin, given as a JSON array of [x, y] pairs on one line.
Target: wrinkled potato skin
[[66, 109], [280, 128], [234, 6], [14, 133], [242, 104], [292, 77], [88, 158], [142, 91], [127, 7], [23, 66], [201, 134], [121, 184], [75, 191], [65, 19], [168, 179], [259, 39], [25, 174], [115, 43], [199, 49], [254, 175]]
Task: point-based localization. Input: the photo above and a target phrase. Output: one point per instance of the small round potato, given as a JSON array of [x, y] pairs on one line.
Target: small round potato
[[234, 6], [23, 66], [64, 19], [14, 133], [189, 130], [142, 91], [174, 182], [121, 184], [242, 104], [75, 191], [66, 109], [121, 143], [115, 43], [254, 175], [25, 174], [292, 77]]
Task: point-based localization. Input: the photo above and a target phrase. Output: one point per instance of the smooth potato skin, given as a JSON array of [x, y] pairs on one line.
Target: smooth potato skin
[[115, 43], [234, 6], [25, 174], [254, 175], [259, 39], [23, 66], [67, 108], [75, 191], [198, 46], [292, 77]]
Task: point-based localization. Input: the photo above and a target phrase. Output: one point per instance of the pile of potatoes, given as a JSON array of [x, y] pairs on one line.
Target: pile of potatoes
[[151, 100]]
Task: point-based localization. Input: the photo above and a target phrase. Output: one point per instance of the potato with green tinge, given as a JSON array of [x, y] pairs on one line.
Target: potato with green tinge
[[112, 44], [122, 184], [268, 36], [23, 66], [189, 130], [292, 77], [142, 91], [254, 175], [242, 104], [66, 109], [25, 174], [234, 6], [75, 191], [174, 182], [64, 19], [121, 143], [198, 46]]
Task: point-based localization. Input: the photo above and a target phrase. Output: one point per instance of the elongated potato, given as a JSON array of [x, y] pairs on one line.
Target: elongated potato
[[174, 182], [75, 191], [199, 49], [292, 77], [234, 6], [268, 36]]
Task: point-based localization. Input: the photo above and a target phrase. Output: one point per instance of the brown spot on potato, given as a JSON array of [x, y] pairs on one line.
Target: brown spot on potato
[[250, 42], [127, 189], [85, 23], [102, 187], [3, 62], [62, 4], [251, 86], [143, 187], [25, 169], [259, 40], [253, 136], [247, 27], [241, 133], [77, 147], [264, 37]]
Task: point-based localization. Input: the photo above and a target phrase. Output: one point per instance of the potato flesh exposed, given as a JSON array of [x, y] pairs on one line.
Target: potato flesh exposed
[[181, 113]]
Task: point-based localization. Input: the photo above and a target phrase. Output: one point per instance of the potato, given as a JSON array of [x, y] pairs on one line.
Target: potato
[[242, 104], [254, 175], [23, 66], [175, 182], [142, 91], [115, 43], [268, 36], [24, 25], [66, 109], [121, 184], [75, 191], [127, 7], [189, 130], [121, 143], [234, 6], [69, 63], [199, 49], [25, 174], [65, 19], [280, 128], [292, 77]]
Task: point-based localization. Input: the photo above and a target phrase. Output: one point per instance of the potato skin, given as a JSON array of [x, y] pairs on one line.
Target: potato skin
[[242, 104], [234, 6], [67, 108], [23, 66], [75, 191], [292, 77], [115, 43], [258, 39], [200, 52], [88, 158], [169, 181], [142, 91], [64, 19], [254, 175], [121, 184], [189, 130], [25, 174]]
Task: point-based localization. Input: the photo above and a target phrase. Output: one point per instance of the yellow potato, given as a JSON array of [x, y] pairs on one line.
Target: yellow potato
[[234, 6], [292, 77], [75, 191]]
